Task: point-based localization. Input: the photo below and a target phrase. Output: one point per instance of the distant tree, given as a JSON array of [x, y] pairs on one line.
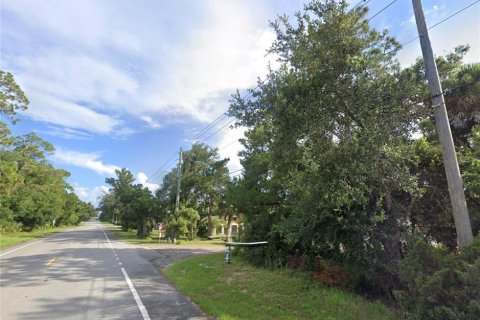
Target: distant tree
[[204, 178], [133, 203], [203, 183]]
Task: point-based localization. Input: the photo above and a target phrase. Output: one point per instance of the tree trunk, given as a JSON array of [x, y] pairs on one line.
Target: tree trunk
[[142, 228], [391, 242]]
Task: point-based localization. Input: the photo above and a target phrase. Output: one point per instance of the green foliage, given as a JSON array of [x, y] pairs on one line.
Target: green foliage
[[182, 222], [12, 97], [131, 204], [440, 284], [203, 184], [33, 194]]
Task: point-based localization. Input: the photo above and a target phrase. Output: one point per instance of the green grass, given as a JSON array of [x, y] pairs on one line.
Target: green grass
[[131, 237], [12, 238], [241, 291]]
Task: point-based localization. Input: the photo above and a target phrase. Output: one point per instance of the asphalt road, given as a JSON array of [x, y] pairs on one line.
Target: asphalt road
[[85, 273]]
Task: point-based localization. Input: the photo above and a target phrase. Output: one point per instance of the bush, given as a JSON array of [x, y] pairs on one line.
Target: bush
[[439, 284]]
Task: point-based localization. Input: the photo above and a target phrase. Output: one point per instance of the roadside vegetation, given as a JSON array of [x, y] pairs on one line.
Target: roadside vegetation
[[33, 193], [241, 291]]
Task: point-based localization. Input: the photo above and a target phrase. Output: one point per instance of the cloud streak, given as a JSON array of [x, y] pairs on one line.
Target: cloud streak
[[85, 160]]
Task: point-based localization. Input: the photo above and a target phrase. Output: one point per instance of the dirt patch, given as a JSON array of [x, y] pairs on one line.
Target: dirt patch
[[164, 255]]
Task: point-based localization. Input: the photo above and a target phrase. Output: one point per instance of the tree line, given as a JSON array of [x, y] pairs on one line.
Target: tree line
[[33, 193]]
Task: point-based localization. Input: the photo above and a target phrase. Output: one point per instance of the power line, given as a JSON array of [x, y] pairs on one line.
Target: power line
[[223, 127], [160, 170], [222, 116], [385, 8], [411, 104], [194, 139], [206, 129], [234, 171], [442, 21], [454, 14], [228, 145], [363, 5]]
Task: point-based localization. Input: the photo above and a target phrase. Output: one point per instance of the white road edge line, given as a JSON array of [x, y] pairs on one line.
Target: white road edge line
[[139, 302], [106, 237], [5, 253]]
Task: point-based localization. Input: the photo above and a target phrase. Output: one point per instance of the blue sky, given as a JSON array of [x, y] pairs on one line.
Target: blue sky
[[116, 83]]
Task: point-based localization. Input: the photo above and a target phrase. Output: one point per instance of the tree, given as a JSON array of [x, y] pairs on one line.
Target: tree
[[182, 222], [134, 204], [12, 97], [333, 120]]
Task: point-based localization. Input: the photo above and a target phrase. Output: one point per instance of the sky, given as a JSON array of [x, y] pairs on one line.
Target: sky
[[124, 84]]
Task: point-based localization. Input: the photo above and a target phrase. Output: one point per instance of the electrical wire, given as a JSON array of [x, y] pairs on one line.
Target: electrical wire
[[385, 8], [223, 116], [442, 21], [363, 5], [194, 139]]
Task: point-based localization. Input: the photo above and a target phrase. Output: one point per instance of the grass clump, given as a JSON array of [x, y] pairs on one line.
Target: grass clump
[[241, 291]]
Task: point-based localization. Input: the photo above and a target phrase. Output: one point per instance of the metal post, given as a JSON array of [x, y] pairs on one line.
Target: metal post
[[228, 257]]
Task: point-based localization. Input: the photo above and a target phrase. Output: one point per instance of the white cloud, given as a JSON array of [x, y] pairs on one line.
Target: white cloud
[[85, 160], [87, 64], [124, 60], [151, 122], [143, 180], [67, 133], [224, 53], [76, 77], [50, 109], [90, 194], [67, 20]]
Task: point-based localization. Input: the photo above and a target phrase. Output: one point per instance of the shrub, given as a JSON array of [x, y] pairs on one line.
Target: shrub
[[439, 284], [331, 276], [296, 262]]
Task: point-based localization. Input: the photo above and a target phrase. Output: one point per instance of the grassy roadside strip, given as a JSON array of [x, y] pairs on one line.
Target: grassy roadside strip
[[241, 291], [8, 239], [131, 237]]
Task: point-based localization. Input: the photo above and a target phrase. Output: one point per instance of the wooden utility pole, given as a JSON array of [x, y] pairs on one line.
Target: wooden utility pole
[[179, 177], [454, 179]]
